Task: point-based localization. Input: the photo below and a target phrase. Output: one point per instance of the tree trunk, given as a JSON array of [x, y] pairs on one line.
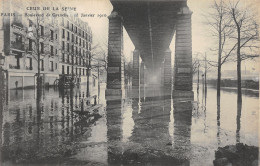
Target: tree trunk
[[198, 81], [88, 70], [239, 93], [219, 68], [38, 86]]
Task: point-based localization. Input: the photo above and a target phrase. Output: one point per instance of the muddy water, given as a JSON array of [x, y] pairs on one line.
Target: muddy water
[[147, 127]]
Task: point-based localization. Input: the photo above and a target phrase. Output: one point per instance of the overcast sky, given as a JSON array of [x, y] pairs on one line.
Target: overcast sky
[[201, 39]]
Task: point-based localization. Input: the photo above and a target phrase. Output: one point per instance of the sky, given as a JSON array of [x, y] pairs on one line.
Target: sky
[[202, 41]]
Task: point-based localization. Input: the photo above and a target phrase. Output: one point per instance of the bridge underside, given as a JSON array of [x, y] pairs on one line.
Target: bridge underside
[[151, 25]]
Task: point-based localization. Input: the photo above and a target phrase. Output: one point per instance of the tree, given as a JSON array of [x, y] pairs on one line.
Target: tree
[[39, 39], [219, 22], [246, 37]]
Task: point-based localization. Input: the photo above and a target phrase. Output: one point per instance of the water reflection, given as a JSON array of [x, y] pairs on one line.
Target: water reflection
[[239, 108], [148, 127], [41, 127]]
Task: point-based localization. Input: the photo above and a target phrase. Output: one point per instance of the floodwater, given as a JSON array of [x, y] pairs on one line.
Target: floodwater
[[147, 127]]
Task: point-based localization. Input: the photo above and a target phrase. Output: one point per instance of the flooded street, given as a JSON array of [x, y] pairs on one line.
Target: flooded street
[[147, 127]]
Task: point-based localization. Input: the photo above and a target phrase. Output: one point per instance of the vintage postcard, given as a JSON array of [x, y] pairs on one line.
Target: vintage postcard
[[129, 82]]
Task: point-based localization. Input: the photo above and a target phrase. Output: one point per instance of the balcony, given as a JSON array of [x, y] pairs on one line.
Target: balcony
[[28, 67], [14, 66], [17, 45]]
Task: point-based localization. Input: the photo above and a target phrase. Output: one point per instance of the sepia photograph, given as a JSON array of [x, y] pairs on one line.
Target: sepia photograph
[[129, 82]]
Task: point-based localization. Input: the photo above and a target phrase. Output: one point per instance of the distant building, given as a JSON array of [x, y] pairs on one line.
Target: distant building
[[64, 45]]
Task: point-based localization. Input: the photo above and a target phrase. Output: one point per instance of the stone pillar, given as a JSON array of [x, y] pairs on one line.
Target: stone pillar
[[115, 71], [183, 53], [135, 81], [162, 73], [142, 74], [167, 69]]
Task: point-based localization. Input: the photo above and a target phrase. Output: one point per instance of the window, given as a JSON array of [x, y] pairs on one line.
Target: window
[[63, 33], [71, 27], [30, 44], [76, 50], [51, 50], [56, 36], [52, 35], [68, 24], [63, 45], [18, 38], [56, 52], [72, 37], [80, 42], [63, 57], [68, 35], [42, 65], [76, 29], [42, 47], [18, 19], [72, 48], [63, 69], [51, 66], [94, 82], [76, 71], [83, 43], [28, 63], [68, 47], [42, 30], [76, 40], [68, 58], [56, 66], [83, 72], [68, 70], [83, 34]]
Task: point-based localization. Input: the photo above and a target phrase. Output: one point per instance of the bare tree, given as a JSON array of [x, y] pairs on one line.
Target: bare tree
[[219, 22], [246, 37], [39, 39]]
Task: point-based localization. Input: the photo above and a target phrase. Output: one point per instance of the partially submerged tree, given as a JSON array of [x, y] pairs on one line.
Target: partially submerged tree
[[218, 21], [40, 36], [246, 37]]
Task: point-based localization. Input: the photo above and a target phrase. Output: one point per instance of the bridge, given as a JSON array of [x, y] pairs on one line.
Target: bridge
[[151, 25]]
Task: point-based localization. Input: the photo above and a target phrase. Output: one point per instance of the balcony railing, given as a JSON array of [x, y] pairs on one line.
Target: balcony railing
[[14, 66], [17, 45]]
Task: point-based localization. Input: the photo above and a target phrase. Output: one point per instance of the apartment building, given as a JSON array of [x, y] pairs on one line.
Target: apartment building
[[64, 45], [76, 39]]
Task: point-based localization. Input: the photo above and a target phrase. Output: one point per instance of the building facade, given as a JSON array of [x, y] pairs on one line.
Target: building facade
[[52, 46]]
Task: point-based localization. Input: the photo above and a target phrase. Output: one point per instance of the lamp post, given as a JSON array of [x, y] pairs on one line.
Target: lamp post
[[2, 71], [3, 82]]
